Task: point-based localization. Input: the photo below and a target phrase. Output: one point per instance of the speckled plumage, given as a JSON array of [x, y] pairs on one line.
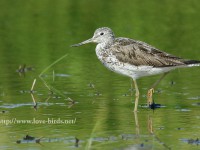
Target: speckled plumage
[[133, 58]]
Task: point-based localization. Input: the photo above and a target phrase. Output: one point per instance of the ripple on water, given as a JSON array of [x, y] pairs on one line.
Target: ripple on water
[[183, 110], [9, 106]]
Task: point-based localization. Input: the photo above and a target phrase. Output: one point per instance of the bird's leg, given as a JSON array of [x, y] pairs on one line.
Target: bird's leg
[[137, 127], [151, 90], [131, 91], [150, 125], [136, 95], [149, 96]]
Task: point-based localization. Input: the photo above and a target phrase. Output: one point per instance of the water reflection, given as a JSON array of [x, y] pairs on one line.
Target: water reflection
[[78, 86], [23, 69], [150, 131], [143, 123]]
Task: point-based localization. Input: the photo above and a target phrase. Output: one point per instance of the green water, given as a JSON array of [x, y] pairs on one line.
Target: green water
[[39, 32]]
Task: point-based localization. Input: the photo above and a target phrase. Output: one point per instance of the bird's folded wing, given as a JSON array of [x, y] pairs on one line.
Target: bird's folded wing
[[142, 54]]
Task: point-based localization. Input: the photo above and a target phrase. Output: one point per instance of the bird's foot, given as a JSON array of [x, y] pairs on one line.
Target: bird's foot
[[136, 103], [149, 96]]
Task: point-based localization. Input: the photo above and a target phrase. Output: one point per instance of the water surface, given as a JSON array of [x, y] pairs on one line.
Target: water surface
[[95, 103]]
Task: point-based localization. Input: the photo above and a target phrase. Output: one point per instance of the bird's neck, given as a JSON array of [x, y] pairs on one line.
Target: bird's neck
[[106, 44]]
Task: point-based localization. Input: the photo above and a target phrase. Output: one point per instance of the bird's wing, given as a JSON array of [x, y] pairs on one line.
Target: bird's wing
[[142, 54]]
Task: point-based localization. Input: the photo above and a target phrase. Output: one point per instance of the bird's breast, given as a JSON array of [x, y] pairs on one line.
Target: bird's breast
[[107, 58]]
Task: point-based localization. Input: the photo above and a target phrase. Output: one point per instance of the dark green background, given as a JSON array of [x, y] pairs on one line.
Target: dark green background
[[39, 32]]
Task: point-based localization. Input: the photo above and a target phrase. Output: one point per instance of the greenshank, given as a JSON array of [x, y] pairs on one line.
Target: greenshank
[[134, 58]]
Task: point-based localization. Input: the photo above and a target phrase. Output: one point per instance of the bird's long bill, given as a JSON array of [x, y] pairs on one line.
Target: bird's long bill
[[82, 43]]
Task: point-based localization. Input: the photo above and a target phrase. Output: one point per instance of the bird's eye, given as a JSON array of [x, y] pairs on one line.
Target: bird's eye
[[101, 33]]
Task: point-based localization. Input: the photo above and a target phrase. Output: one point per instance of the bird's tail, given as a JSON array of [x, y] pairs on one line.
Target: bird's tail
[[191, 63]]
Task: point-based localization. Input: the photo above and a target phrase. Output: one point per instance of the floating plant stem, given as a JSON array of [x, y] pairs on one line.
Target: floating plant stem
[[53, 76], [35, 104], [33, 85], [45, 83], [52, 65]]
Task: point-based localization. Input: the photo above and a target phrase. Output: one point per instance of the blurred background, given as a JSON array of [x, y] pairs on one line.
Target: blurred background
[[34, 34]]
